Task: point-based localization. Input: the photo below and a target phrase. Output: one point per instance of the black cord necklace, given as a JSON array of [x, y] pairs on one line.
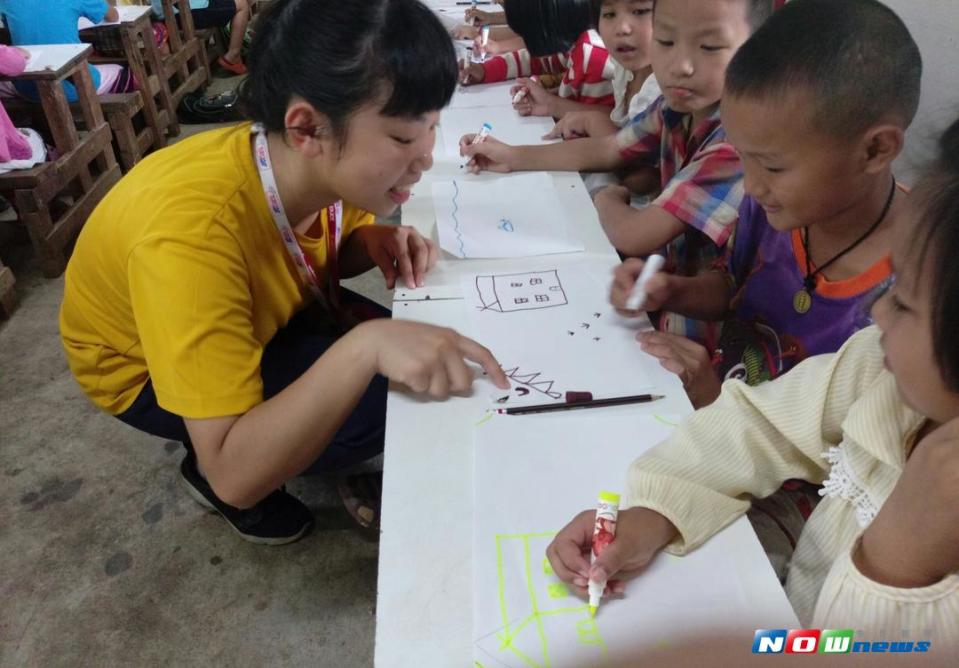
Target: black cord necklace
[[802, 300]]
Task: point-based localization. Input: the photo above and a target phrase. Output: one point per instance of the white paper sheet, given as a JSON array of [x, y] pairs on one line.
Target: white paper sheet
[[508, 126], [514, 216], [532, 474], [484, 95], [554, 330]]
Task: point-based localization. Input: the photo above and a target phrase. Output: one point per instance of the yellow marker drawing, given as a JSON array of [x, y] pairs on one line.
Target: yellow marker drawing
[[536, 654]]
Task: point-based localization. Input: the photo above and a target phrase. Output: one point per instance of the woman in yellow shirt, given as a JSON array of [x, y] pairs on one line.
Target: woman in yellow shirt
[[190, 301]]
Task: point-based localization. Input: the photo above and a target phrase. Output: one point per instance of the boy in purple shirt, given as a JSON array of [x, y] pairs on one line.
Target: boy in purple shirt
[[813, 239], [817, 104]]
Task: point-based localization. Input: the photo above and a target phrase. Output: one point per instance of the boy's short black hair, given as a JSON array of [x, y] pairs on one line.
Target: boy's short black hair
[[856, 59], [757, 11], [938, 239], [549, 26]]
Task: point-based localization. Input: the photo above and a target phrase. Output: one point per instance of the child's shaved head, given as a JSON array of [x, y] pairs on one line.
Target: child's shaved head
[[855, 59]]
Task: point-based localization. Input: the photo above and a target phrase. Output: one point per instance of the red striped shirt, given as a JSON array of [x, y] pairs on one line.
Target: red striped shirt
[[587, 69]]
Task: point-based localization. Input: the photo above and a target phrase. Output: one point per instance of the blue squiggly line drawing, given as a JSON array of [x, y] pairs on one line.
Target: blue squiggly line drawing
[[506, 225], [456, 221]]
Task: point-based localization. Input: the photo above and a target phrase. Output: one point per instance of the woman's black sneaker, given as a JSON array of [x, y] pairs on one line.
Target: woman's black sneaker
[[278, 519]]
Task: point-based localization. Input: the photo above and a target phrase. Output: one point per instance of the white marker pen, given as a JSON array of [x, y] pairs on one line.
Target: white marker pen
[[520, 94], [604, 530], [482, 134], [638, 296], [484, 41]]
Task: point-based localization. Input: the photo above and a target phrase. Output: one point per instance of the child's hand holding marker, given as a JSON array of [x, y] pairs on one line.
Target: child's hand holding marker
[[640, 534], [640, 286], [486, 155], [522, 89], [481, 44], [471, 73], [533, 98]]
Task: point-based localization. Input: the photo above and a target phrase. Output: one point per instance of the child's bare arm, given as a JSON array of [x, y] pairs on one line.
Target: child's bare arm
[[560, 106], [113, 13], [635, 232], [591, 154], [579, 124]]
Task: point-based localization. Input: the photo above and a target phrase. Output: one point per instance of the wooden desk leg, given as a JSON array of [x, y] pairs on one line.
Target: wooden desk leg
[[8, 294], [92, 114], [155, 62], [56, 110], [129, 35]]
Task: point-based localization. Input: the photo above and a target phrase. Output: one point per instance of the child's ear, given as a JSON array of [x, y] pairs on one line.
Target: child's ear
[[882, 144], [308, 130]]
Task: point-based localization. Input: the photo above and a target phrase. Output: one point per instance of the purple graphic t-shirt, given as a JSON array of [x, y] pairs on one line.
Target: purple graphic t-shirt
[[767, 336]]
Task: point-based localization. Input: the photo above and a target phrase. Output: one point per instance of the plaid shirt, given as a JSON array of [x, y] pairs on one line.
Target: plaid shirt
[[587, 69], [702, 185]]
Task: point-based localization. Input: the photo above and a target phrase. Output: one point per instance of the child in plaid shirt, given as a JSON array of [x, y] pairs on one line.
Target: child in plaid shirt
[[680, 135]]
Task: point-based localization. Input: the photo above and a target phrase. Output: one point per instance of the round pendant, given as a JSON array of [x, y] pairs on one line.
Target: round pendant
[[802, 302]]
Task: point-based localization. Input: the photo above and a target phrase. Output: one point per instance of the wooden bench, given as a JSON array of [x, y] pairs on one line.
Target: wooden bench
[[55, 198], [186, 68], [134, 32]]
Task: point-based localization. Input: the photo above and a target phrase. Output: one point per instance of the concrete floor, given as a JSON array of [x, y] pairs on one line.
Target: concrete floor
[[106, 561]]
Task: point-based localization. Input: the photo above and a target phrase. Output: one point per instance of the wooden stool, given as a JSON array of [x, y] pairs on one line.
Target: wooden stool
[[55, 198], [131, 144], [134, 32], [186, 69]]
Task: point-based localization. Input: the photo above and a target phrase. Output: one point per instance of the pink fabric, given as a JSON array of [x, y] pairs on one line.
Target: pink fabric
[[13, 145]]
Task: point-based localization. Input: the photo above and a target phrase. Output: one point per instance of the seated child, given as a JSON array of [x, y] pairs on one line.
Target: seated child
[[680, 135], [13, 145], [812, 244], [475, 18], [19, 149], [559, 40], [814, 233], [878, 422], [55, 22], [219, 14], [626, 28]]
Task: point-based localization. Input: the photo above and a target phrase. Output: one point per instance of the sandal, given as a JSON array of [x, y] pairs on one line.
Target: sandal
[[236, 68], [361, 495]]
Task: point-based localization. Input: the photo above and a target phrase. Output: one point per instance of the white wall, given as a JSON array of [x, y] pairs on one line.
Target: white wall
[[934, 25]]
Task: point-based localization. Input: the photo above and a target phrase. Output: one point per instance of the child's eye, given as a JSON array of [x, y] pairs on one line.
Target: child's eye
[[609, 16], [401, 140], [664, 42], [711, 48], [774, 170], [641, 12]]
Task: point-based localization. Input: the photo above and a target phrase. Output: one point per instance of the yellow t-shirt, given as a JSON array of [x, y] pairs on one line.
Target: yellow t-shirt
[[180, 276]]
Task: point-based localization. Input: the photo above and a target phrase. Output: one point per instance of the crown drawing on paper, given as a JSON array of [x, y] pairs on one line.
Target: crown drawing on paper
[[533, 381]]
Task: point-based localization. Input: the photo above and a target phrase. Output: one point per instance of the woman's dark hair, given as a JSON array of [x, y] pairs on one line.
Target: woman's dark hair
[[549, 26], [938, 236], [339, 55]]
